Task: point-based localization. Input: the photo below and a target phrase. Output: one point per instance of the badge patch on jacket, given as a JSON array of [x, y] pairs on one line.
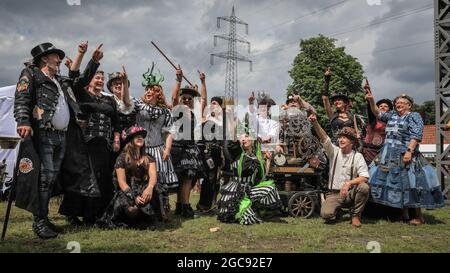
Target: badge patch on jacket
[[23, 84], [25, 165], [37, 113]]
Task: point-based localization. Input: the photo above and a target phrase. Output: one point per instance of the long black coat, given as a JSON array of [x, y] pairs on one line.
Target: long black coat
[[75, 171]]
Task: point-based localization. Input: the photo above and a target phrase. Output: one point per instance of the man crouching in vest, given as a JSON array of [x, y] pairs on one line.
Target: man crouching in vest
[[348, 174]]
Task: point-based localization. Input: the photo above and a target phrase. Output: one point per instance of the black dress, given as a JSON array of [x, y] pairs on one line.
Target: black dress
[[115, 216], [100, 113], [337, 124], [185, 154], [211, 156]]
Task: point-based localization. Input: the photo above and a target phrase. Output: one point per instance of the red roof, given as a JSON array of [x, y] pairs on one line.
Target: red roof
[[429, 135]]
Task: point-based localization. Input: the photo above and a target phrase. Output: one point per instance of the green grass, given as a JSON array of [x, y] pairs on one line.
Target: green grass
[[279, 234]]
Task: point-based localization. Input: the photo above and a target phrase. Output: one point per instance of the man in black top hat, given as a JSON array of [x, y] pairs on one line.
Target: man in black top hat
[[44, 105]]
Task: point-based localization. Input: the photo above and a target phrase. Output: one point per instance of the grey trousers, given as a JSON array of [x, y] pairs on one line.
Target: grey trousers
[[357, 198]]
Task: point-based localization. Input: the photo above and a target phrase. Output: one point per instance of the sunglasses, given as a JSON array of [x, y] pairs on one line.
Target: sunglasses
[[186, 98]]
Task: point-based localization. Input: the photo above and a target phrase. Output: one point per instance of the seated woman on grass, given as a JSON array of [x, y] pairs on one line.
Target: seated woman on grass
[[136, 202], [248, 189]]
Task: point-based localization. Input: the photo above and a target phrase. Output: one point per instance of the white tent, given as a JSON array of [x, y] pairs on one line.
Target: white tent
[[7, 128]]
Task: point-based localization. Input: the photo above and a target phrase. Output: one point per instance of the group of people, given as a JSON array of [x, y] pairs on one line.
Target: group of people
[[117, 158]]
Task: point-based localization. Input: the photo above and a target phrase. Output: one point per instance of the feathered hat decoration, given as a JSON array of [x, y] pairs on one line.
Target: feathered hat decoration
[[150, 79]]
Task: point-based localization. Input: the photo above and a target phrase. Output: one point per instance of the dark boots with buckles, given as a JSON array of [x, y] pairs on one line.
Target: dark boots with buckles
[[42, 229], [42, 226]]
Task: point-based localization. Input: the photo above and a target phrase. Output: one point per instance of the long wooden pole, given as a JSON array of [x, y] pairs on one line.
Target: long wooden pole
[[162, 53]]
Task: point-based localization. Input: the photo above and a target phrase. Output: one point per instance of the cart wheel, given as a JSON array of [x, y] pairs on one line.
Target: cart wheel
[[301, 205]]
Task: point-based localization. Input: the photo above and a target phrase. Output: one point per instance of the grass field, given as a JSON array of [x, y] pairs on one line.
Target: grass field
[[277, 234]]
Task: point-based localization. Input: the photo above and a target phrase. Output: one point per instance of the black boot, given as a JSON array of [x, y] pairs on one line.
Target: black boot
[[42, 230], [41, 225], [178, 209], [54, 227], [44, 199], [187, 211]]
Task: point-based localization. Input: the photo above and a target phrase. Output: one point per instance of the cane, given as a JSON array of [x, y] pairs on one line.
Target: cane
[[11, 194], [165, 56]]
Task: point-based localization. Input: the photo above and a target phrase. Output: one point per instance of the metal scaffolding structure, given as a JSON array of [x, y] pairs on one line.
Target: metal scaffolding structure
[[442, 92], [232, 56]]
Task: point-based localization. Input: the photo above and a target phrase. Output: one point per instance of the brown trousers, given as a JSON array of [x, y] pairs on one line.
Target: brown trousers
[[357, 198]]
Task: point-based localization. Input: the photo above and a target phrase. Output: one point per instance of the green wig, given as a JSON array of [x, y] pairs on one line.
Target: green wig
[[258, 153]]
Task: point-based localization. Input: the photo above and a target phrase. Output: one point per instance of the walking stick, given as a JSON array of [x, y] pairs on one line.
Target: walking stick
[[11, 194], [164, 55]]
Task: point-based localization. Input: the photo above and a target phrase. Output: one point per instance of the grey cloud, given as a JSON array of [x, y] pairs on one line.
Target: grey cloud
[[185, 29]]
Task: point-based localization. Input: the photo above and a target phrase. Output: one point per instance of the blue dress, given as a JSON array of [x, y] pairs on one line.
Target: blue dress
[[394, 184]]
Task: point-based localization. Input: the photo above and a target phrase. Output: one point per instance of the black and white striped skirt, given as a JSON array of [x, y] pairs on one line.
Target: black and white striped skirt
[[234, 195], [166, 173]]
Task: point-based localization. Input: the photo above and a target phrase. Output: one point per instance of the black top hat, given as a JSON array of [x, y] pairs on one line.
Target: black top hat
[[341, 96], [189, 90], [387, 101], [44, 49], [130, 133], [111, 77], [266, 101], [219, 100]]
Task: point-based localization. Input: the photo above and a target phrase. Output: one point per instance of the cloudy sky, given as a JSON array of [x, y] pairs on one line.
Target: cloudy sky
[[393, 39]]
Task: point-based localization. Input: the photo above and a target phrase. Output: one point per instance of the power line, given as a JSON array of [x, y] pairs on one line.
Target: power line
[[387, 19], [354, 28], [308, 14], [375, 52], [396, 47], [266, 7]]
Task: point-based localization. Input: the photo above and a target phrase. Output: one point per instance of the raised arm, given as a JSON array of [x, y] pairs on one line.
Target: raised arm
[[125, 88], [319, 130], [251, 103], [306, 105], [203, 94], [326, 94], [176, 88], [82, 48], [370, 99], [89, 72]]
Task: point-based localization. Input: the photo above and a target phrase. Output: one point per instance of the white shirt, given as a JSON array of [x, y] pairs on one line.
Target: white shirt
[[61, 116], [122, 108], [263, 128], [343, 167]]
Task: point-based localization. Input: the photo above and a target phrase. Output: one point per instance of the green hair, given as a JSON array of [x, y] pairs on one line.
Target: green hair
[[257, 149], [150, 79]]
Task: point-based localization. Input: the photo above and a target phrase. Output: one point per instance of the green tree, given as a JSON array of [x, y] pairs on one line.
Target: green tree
[[427, 110], [316, 54]]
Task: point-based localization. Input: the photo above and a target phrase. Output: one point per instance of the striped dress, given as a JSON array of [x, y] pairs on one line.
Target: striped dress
[[244, 193], [157, 121]]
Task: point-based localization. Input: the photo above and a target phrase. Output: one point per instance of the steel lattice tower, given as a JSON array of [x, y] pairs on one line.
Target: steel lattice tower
[[442, 93], [232, 56]]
